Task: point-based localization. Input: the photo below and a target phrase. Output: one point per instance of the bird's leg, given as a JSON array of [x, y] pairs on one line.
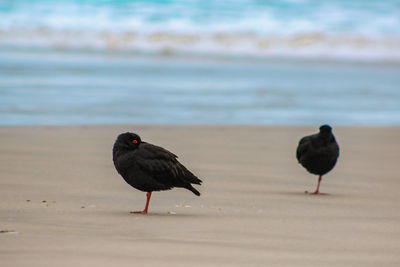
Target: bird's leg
[[148, 195], [317, 190]]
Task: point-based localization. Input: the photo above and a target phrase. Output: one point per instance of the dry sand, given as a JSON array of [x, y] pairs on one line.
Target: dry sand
[[252, 211]]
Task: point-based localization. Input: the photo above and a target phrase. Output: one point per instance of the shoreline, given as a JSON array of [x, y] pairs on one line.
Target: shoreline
[[71, 90], [199, 57]]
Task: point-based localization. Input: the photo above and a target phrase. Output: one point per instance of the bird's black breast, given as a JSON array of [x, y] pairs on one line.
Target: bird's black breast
[[318, 155]]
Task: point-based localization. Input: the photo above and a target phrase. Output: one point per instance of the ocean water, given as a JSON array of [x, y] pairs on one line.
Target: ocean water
[[289, 62]]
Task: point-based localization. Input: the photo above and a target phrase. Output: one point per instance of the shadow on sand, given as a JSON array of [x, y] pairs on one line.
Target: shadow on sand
[[167, 214], [306, 193]]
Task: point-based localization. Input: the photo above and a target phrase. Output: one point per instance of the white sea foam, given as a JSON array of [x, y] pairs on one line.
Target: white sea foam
[[241, 45], [303, 28]]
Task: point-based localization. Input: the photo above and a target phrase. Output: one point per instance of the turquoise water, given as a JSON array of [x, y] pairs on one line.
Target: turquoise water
[[293, 62]]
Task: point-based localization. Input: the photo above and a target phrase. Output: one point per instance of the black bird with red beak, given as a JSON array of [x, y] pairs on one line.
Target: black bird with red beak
[[318, 153], [149, 168]]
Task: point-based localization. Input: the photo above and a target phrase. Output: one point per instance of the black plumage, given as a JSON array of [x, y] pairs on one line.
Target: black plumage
[[318, 153], [149, 168]]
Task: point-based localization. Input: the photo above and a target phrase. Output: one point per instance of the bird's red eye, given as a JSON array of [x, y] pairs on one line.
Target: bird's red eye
[[135, 141]]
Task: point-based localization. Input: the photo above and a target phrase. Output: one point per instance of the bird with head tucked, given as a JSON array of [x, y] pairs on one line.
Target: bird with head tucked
[[149, 168], [318, 153]]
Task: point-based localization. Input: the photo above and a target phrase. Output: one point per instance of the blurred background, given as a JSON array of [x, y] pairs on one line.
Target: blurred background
[[231, 62]]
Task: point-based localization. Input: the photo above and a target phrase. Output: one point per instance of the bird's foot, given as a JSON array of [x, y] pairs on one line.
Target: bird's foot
[[139, 212]]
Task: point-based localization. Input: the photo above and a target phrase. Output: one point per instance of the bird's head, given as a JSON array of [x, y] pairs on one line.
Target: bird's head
[[128, 140], [325, 130]]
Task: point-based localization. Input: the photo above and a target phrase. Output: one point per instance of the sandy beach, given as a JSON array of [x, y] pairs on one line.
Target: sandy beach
[[65, 204]]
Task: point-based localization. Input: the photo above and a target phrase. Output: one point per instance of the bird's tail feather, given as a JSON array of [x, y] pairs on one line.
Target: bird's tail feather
[[196, 180], [191, 188]]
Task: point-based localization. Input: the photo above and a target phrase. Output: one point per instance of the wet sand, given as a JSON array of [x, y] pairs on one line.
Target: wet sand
[[67, 206]]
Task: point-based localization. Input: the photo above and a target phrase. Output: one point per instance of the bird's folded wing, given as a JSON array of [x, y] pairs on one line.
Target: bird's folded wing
[[150, 151], [161, 164]]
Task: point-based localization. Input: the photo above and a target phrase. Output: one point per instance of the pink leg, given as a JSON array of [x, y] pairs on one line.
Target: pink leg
[[148, 195], [316, 192]]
